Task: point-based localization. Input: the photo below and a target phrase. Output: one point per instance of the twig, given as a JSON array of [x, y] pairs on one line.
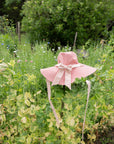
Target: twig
[[75, 40], [89, 86], [19, 32], [62, 103]]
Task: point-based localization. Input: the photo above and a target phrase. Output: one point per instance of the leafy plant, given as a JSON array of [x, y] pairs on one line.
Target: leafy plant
[[9, 43], [58, 21], [25, 113], [6, 25]]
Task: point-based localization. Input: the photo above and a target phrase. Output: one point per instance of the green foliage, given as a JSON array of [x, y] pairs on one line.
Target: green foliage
[[25, 113], [6, 25], [12, 9], [58, 21], [12, 1], [8, 43], [8, 38]]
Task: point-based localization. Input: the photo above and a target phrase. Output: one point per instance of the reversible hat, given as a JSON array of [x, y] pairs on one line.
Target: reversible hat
[[65, 73]]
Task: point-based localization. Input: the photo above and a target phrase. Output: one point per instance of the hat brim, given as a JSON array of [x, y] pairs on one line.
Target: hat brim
[[78, 72]]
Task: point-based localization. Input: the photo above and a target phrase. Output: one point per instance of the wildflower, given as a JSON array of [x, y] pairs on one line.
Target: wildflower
[[31, 61], [25, 60], [3, 69], [14, 51], [55, 57], [2, 43], [43, 51], [59, 48], [111, 67], [3, 65], [18, 61], [52, 49], [42, 47], [48, 42]]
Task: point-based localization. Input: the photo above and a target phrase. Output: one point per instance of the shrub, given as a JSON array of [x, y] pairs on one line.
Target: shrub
[[58, 21], [6, 25]]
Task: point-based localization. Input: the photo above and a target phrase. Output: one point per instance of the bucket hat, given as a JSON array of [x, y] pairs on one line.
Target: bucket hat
[[65, 73]]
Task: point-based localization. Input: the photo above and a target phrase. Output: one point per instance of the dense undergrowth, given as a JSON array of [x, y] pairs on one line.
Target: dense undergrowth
[[25, 113]]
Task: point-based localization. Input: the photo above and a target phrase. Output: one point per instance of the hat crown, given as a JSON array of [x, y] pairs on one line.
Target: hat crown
[[67, 58]]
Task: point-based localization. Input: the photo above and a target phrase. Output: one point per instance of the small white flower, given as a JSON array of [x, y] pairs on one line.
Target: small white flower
[[3, 65], [59, 48], [14, 51], [24, 44], [52, 49], [43, 51], [55, 57]]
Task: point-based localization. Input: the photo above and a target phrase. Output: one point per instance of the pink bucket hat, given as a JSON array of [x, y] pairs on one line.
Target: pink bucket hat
[[65, 73]]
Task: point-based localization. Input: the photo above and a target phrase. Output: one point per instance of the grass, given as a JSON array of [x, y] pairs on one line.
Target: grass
[[25, 113]]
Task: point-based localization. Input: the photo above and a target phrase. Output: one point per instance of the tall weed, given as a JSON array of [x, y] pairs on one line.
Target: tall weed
[[25, 113]]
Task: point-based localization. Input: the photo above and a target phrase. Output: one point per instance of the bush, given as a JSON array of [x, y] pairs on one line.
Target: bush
[[6, 25], [58, 21]]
